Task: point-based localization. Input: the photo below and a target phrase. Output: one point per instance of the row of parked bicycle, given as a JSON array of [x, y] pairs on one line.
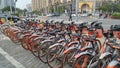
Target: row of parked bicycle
[[62, 45]]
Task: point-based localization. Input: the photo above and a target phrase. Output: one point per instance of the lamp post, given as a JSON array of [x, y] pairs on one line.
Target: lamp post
[[15, 5], [70, 14], [76, 10], [11, 6]]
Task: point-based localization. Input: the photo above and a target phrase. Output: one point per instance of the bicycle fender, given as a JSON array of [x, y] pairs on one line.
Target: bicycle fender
[[69, 49], [57, 44], [26, 35], [39, 38], [61, 40], [113, 63], [46, 41], [81, 54], [102, 56], [74, 42], [86, 48]]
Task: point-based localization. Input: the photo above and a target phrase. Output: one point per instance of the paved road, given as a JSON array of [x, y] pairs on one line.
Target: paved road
[[14, 56], [106, 22]]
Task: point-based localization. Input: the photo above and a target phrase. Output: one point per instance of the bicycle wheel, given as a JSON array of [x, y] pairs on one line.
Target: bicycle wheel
[[43, 51], [69, 58], [54, 57], [99, 63], [16, 40], [82, 61], [25, 43], [35, 48], [97, 47], [94, 62]]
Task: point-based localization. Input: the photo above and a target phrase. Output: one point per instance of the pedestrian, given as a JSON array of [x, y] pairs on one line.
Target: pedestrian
[[1, 22], [100, 15], [11, 21], [70, 17]]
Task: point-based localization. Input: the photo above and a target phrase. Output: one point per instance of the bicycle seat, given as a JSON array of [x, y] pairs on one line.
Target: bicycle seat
[[108, 34], [61, 33], [115, 27], [83, 25], [57, 30], [52, 33], [76, 35]]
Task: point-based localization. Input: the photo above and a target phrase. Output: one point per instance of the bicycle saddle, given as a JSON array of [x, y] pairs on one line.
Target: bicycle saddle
[[108, 34], [76, 35], [52, 33], [115, 27], [83, 25], [61, 33]]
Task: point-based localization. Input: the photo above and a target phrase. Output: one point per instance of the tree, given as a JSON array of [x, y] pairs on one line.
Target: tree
[[7, 9], [110, 7]]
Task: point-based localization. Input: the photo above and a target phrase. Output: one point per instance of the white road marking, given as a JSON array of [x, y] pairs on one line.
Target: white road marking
[[11, 59], [2, 37]]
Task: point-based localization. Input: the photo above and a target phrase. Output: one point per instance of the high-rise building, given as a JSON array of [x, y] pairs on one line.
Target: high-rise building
[[84, 6], [5, 3], [29, 7], [40, 5]]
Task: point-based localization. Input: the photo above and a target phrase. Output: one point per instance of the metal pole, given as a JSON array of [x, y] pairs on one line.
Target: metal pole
[[76, 10], [11, 6], [15, 6]]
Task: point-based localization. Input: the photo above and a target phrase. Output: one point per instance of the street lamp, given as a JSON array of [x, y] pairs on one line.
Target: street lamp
[[70, 14], [15, 5], [11, 6], [76, 10]]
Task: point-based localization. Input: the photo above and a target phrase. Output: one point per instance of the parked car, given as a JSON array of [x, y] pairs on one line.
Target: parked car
[[52, 14], [95, 14], [84, 14], [73, 15]]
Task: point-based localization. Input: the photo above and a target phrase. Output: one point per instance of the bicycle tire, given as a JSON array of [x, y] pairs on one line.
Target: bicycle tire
[[79, 62], [43, 51], [53, 56]]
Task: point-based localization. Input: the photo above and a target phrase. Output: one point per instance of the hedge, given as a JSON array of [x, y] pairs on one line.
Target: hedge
[[116, 15]]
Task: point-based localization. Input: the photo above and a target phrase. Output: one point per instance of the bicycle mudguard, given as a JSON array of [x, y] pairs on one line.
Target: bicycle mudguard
[[52, 37], [39, 38], [113, 63], [57, 44], [33, 36], [69, 49], [71, 43], [86, 48], [61, 40], [26, 35], [81, 54], [102, 56], [46, 41], [16, 32]]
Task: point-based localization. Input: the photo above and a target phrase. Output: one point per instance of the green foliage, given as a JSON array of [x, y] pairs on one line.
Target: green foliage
[[51, 9], [36, 12], [109, 7], [116, 15], [7, 9], [19, 12], [61, 9]]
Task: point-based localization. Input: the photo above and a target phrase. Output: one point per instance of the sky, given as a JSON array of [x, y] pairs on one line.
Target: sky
[[22, 3]]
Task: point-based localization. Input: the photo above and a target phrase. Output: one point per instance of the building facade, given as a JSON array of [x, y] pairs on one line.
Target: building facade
[[90, 6], [5, 3], [84, 6]]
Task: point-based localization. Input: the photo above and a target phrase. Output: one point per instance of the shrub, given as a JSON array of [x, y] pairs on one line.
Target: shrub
[[116, 15]]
